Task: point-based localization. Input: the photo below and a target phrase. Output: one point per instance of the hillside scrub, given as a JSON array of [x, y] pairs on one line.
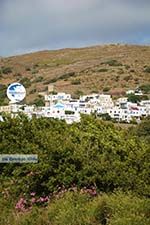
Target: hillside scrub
[[96, 67]]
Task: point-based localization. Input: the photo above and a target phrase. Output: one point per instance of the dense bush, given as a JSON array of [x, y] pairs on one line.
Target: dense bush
[[134, 98], [76, 157], [89, 153]]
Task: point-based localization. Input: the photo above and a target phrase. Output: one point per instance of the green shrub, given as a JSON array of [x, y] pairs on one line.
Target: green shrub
[[102, 70], [39, 101], [145, 88], [38, 79], [120, 71], [116, 78], [66, 75], [28, 69], [68, 112], [105, 116], [53, 80], [26, 82], [106, 89], [132, 71], [76, 82], [147, 69], [127, 78], [134, 98], [112, 62], [3, 96], [34, 71], [6, 70], [33, 91], [77, 94], [35, 65], [127, 67]]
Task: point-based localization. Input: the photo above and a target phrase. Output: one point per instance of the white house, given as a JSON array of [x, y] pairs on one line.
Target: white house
[[49, 99], [105, 101]]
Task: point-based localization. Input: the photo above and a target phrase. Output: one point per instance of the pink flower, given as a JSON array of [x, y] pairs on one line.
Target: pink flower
[[42, 199], [46, 198], [21, 204], [32, 193], [33, 200]]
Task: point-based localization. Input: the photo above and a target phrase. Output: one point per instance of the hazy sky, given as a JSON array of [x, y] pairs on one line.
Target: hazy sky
[[31, 25]]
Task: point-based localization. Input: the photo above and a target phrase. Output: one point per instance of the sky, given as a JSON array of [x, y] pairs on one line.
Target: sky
[[33, 25]]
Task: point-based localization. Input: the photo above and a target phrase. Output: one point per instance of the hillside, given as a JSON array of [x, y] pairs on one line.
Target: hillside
[[108, 68]]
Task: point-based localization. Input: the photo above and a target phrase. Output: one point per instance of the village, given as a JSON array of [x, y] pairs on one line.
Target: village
[[62, 106]]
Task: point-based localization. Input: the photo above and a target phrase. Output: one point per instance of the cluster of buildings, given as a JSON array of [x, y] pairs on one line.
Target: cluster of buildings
[[62, 106]]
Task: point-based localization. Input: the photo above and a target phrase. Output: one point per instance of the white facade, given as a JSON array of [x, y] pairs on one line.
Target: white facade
[[105, 101], [57, 97], [63, 107]]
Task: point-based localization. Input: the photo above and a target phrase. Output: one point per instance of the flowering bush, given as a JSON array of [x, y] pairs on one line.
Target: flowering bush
[[24, 205]]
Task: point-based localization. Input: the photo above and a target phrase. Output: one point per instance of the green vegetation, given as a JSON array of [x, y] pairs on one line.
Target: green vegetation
[[134, 98], [88, 173], [143, 130], [91, 172], [38, 79], [26, 82], [76, 82], [127, 66], [105, 116], [28, 69], [147, 69], [39, 101], [34, 71], [106, 89], [112, 62], [75, 208], [102, 70], [127, 78], [33, 91], [145, 88], [69, 112], [77, 94], [5, 70], [3, 89], [65, 77]]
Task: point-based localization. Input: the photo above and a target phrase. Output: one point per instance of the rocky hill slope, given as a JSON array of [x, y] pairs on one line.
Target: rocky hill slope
[[108, 68]]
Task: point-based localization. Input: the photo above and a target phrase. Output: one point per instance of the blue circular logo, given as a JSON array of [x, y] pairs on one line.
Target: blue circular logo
[[16, 92]]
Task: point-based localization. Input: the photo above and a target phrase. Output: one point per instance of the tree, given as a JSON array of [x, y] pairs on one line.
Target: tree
[[133, 98]]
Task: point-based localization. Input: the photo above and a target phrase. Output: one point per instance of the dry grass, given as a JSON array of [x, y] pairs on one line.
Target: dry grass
[[90, 66]]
